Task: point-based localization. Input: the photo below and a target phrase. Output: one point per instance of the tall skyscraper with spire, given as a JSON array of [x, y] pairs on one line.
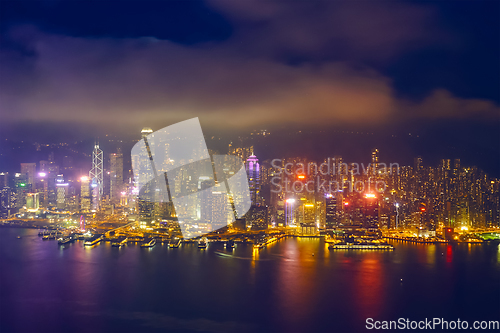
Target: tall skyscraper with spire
[[146, 208], [96, 176], [253, 172]]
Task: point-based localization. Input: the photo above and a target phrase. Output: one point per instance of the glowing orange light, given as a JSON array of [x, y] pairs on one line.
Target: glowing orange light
[[346, 203], [369, 195], [301, 177], [422, 209]]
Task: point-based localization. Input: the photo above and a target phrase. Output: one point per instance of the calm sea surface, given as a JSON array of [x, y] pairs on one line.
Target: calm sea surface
[[294, 285]]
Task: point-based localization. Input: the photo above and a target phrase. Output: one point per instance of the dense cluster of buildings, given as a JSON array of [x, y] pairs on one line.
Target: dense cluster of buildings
[[334, 195], [44, 189], [313, 197]]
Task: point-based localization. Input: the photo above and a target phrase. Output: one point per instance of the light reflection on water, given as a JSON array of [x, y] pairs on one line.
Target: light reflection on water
[[295, 284]]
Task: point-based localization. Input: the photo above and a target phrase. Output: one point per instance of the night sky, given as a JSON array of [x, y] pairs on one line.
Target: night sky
[[87, 68]]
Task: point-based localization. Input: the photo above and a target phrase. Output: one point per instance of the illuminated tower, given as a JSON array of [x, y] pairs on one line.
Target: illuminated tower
[[253, 172], [96, 176], [308, 224], [331, 218], [85, 194], [116, 175], [375, 160], [146, 208], [146, 131], [370, 211], [29, 170], [32, 202]]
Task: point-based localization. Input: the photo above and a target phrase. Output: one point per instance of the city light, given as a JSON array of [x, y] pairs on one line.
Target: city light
[[183, 227]]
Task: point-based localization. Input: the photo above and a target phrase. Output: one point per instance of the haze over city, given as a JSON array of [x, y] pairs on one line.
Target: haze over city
[[249, 166]]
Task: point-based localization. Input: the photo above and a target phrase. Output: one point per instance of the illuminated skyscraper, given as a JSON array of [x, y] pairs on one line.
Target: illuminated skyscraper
[[4, 179], [32, 202], [62, 189], [146, 208], [308, 224], [258, 218], [5, 195], [370, 211], [85, 194], [116, 175], [146, 131], [253, 172], [29, 170], [332, 216], [375, 159], [445, 164], [214, 205], [96, 176], [243, 152], [5, 201]]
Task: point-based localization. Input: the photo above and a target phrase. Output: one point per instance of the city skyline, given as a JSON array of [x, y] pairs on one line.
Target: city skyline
[[445, 195], [249, 165]]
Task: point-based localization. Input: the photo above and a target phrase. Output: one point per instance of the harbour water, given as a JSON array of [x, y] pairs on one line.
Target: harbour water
[[292, 285]]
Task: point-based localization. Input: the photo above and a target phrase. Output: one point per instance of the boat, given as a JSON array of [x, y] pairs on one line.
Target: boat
[[19, 237], [259, 245], [230, 244], [49, 237], [93, 241], [202, 243], [65, 240], [367, 246], [263, 242], [120, 242], [149, 243], [175, 243]]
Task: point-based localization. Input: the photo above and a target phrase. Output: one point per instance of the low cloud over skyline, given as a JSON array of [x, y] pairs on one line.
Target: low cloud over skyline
[[308, 63]]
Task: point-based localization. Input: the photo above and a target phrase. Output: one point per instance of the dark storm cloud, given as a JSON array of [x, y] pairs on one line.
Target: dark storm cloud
[[346, 30], [302, 62]]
